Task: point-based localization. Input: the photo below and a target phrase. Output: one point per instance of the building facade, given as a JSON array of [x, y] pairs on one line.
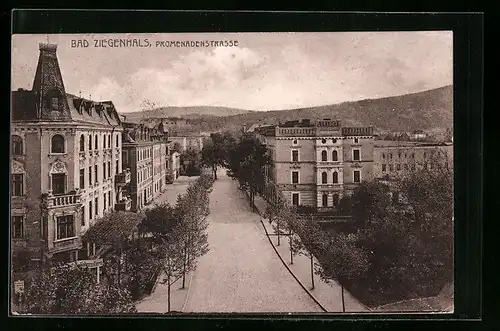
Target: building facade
[[193, 142], [146, 153], [315, 163], [392, 158], [65, 162]]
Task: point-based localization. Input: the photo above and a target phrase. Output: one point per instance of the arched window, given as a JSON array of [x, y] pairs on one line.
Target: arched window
[[54, 103], [57, 144], [335, 177], [335, 200], [109, 141], [17, 145], [324, 178], [117, 140], [324, 157], [96, 142], [90, 143], [325, 200], [335, 156], [82, 143]]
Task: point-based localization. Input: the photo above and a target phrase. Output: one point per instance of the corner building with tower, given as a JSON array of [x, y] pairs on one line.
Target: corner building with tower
[[66, 165]]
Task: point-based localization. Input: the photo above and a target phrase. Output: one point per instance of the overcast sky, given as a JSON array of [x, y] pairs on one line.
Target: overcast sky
[[265, 71]]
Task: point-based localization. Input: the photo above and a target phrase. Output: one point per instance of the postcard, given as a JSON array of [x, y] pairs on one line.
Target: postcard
[[255, 173]]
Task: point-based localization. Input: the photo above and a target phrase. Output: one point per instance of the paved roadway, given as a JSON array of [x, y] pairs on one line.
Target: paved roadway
[[173, 190], [241, 272]]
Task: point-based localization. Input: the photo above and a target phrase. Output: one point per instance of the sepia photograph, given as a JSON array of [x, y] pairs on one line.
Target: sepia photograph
[[246, 173]]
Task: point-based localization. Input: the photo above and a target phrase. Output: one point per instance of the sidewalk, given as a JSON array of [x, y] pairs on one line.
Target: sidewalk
[[172, 191], [329, 295], [157, 301]]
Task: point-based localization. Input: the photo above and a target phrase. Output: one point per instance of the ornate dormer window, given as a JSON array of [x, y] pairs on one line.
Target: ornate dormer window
[[53, 100], [54, 103]]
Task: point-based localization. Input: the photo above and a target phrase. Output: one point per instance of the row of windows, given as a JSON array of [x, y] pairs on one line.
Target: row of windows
[[323, 141], [406, 166], [324, 156], [144, 174], [94, 206], [406, 155], [57, 144], [65, 227], [106, 172], [59, 180], [356, 156], [143, 154], [324, 177], [107, 138], [324, 199]]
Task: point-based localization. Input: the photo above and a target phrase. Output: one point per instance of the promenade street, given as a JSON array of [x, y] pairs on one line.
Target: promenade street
[[241, 272]]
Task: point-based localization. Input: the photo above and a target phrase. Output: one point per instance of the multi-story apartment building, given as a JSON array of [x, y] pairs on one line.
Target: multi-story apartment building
[[146, 153], [66, 164], [315, 163], [188, 141], [394, 157]]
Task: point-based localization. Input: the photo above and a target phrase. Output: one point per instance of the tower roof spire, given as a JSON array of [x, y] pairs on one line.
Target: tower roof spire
[[48, 85]]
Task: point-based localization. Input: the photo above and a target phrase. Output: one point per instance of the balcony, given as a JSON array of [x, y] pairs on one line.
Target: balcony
[[63, 200], [124, 204], [329, 185], [66, 244], [123, 178]]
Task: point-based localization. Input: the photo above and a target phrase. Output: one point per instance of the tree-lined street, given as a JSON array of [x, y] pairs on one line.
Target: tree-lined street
[[241, 272]]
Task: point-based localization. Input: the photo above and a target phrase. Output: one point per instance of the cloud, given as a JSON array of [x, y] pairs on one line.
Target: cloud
[[197, 78], [287, 71]]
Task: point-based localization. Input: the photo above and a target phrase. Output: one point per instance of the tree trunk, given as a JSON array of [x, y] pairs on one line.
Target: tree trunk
[[312, 271], [278, 230], [119, 272], [291, 251], [168, 294], [184, 270], [343, 301]]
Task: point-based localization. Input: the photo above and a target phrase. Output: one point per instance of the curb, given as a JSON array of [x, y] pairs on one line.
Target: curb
[[289, 270], [156, 282], [296, 278], [188, 292]]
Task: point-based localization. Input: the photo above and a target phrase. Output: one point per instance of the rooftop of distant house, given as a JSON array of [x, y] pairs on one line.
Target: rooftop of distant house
[[402, 143], [313, 127]]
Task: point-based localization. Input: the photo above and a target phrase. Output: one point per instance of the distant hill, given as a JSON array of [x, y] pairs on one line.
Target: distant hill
[[432, 109], [427, 110], [185, 112]]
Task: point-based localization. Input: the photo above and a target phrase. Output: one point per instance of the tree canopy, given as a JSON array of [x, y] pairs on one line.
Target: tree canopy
[[247, 160], [70, 289]]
